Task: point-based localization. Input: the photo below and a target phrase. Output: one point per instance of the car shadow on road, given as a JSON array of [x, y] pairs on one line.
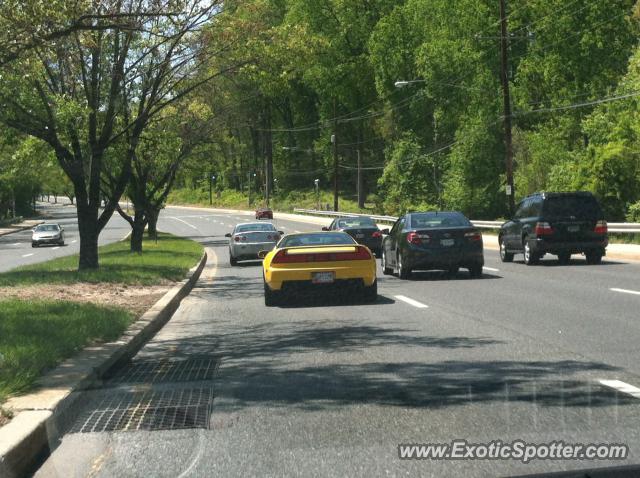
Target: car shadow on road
[[577, 262], [445, 276], [328, 299]]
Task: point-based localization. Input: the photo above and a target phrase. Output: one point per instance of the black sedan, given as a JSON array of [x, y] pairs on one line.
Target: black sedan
[[362, 228], [432, 241]]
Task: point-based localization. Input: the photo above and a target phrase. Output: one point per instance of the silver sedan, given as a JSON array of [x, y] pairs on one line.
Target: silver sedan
[[49, 233], [248, 239]]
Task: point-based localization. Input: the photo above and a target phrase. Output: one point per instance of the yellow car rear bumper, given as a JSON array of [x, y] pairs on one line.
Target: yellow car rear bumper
[[365, 270]]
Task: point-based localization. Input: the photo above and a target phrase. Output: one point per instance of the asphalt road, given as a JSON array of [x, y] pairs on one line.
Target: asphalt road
[[329, 387], [16, 250]]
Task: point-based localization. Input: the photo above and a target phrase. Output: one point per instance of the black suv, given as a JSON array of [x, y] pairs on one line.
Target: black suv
[[555, 223]]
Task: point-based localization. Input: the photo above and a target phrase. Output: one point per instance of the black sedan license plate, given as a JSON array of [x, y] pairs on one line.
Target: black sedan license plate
[[573, 228], [323, 277], [447, 242]]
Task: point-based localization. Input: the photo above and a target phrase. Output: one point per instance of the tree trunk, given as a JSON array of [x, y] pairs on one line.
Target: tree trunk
[[152, 229], [88, 229], [137, 232]]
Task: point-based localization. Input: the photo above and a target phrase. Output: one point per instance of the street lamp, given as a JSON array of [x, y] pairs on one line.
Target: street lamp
[[403, 83]]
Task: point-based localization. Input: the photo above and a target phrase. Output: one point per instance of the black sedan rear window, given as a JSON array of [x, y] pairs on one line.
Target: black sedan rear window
[[317, 239], [356, 222], [441, 219]]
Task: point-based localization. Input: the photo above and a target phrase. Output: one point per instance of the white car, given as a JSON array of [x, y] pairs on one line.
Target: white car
[[248, 239], [49, 233]]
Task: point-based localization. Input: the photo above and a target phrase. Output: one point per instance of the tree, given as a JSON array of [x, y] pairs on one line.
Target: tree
[[85, 92]]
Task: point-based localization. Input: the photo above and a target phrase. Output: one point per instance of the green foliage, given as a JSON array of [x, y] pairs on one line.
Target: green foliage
[[411, 179], [633, 214]]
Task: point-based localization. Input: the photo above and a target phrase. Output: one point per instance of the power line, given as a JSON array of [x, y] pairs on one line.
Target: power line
[[579, 105]]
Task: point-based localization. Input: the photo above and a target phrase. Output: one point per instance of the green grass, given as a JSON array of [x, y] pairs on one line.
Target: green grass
[[35, 336], [168, 259]]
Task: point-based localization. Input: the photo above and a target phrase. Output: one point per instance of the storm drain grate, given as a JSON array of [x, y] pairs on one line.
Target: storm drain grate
[[150, 410], [156, 371]]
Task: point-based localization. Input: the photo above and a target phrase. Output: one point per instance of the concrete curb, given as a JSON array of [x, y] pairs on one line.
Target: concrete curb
[[34, 426]]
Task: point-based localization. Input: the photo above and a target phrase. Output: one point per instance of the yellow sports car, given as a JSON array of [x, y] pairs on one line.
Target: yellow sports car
[[316, 261]]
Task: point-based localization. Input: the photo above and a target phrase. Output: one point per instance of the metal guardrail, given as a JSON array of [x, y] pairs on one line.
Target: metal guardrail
[[618, 227]]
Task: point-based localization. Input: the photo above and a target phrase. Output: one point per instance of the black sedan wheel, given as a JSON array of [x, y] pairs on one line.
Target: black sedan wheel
[[386, 270], [475, 271], [403, 271]]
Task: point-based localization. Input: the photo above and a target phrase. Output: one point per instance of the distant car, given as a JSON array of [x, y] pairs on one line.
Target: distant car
[[248, 239], [264, 213], [555, 223], [432, 240], [317, 261], [49, 233], [363, 229]]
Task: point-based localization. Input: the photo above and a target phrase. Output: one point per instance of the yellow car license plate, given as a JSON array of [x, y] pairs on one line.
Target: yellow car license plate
[[323, 277]]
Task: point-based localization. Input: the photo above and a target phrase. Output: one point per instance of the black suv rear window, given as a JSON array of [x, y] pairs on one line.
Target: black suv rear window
[[580, 207]]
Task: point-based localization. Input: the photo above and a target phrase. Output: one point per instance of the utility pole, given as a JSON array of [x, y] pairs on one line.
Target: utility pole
[[360, 188], [508, 141], [210, 188], [334, 140]]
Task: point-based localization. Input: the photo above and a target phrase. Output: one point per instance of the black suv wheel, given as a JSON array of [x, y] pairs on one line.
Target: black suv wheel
[[504, 255], [530, 257]]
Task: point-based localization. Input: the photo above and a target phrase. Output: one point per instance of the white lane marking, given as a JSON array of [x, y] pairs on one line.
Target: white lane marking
[[54, 248], [15, 244], [74, 241], [491, 269], [298, 232], [284, 227], [625, 291], [28, 255], [184, 222], [622, 387], [412, 302]]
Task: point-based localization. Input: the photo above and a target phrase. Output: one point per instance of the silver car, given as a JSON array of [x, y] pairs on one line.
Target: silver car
[[248, 239], [49, 233]]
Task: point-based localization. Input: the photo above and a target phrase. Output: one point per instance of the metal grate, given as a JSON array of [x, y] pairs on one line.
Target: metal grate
[[153, 410], [157, 371]]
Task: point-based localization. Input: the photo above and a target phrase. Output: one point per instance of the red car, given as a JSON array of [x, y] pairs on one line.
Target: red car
[[264, 213]]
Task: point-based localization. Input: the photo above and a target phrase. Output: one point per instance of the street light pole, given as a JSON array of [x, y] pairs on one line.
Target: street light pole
[[317, 184]]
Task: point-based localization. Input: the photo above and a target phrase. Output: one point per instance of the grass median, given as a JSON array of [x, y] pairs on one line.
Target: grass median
[[49, 311], [167, 259]]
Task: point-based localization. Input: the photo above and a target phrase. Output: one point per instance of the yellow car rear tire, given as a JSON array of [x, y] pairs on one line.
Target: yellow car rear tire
[[271, 297], [371, 293]]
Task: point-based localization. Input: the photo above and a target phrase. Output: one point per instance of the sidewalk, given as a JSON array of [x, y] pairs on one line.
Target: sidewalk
[[21, 226]]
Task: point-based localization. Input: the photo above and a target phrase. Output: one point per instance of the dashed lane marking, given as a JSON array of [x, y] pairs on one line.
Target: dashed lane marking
[[625, 291], [412, 302], [622, 387]]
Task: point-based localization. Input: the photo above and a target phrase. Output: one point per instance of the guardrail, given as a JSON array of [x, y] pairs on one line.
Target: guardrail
[[618, 227]]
